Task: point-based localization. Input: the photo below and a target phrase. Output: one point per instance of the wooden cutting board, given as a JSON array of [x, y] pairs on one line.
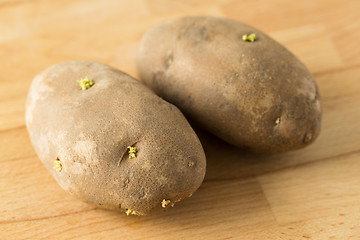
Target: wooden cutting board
[[313, 193]]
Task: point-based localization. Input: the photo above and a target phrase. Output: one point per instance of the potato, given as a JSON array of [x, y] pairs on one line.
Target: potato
[[114, 144], [232, 80]]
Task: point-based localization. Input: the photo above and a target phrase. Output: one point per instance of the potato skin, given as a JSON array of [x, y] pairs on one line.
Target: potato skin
[[255, 95], [89, 132]]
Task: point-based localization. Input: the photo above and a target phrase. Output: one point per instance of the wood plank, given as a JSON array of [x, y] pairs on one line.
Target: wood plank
[[338, 83], [209, 210], [29, 192], [20, 146], [313, 190], [12, 113], [319, 54], [343, 225], [312, 193]]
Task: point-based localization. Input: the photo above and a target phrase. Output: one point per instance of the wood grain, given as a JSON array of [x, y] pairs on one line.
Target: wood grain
[[313, 193]]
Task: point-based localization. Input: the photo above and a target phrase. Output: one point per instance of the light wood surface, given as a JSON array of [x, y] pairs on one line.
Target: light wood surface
[[313, 193]]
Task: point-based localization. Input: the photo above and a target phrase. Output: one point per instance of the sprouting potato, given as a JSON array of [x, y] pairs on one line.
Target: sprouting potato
[[110, 141], [232, 80]]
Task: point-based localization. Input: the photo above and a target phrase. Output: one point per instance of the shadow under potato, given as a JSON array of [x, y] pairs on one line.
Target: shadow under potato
[[225, 161]]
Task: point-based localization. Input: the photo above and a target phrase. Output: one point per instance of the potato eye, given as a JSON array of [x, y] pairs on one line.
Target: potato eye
[[132, 152], [85, 83]]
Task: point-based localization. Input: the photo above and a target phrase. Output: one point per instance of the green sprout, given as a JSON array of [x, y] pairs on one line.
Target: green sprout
[[190, 164], [130, 212], [85, 83], [250, 38], [57, 165], [164, 203], [132, 152], [277, 121]]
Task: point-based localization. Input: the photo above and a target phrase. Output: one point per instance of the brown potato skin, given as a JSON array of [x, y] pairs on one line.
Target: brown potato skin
[[233, 88], [89, 132]]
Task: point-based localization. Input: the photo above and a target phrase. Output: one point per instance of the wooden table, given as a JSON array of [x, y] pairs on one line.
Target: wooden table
[[313, 193]]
